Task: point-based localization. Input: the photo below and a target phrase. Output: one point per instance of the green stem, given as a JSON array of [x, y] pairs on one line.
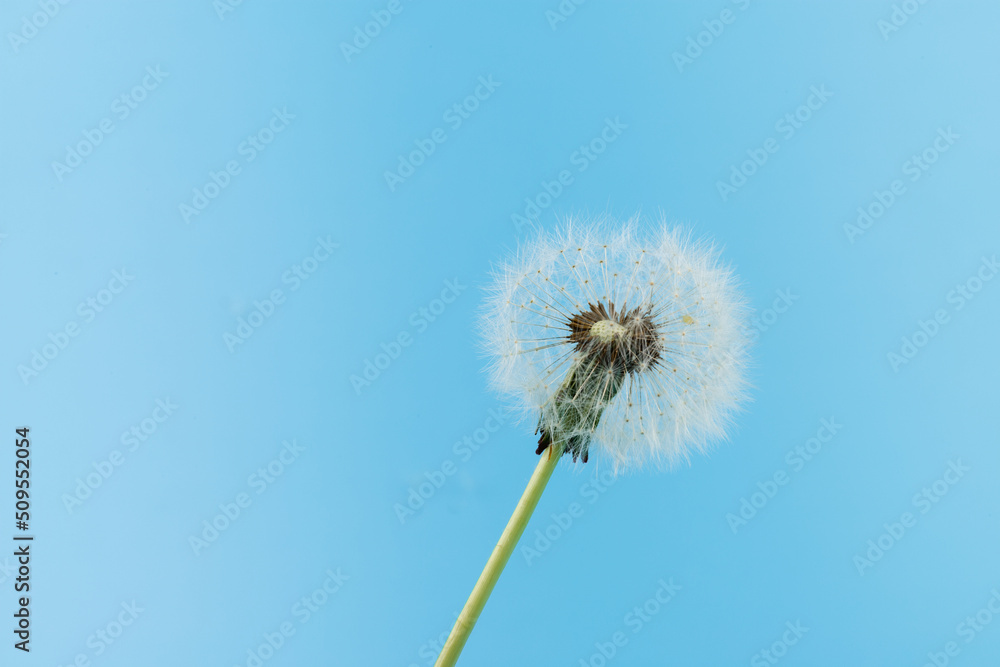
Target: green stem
[[498, 559]]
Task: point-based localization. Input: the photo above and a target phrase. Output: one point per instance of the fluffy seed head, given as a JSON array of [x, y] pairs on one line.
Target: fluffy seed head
[[632, 344]]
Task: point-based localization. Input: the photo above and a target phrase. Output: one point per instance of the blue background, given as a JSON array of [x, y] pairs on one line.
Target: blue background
[[334, 506]]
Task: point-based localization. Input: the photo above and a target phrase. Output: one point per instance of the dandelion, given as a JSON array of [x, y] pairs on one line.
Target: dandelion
[[624, 344]]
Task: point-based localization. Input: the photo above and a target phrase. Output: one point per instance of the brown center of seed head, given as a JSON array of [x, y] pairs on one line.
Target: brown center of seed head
[[620, 340]]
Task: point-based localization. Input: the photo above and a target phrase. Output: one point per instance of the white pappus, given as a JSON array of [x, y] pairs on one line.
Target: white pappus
[[628, 339]]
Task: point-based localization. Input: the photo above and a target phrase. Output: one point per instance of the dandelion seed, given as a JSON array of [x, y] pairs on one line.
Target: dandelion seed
[[659, 317], [626, 344]]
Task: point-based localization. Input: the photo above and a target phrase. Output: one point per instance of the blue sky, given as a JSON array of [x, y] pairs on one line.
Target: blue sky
[[214, 214]]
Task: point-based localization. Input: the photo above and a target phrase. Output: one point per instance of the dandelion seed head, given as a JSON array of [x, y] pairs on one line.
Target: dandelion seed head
[[626, 343], [607, 331]]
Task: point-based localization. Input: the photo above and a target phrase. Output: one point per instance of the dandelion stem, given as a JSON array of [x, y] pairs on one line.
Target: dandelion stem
[[498, 559]]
